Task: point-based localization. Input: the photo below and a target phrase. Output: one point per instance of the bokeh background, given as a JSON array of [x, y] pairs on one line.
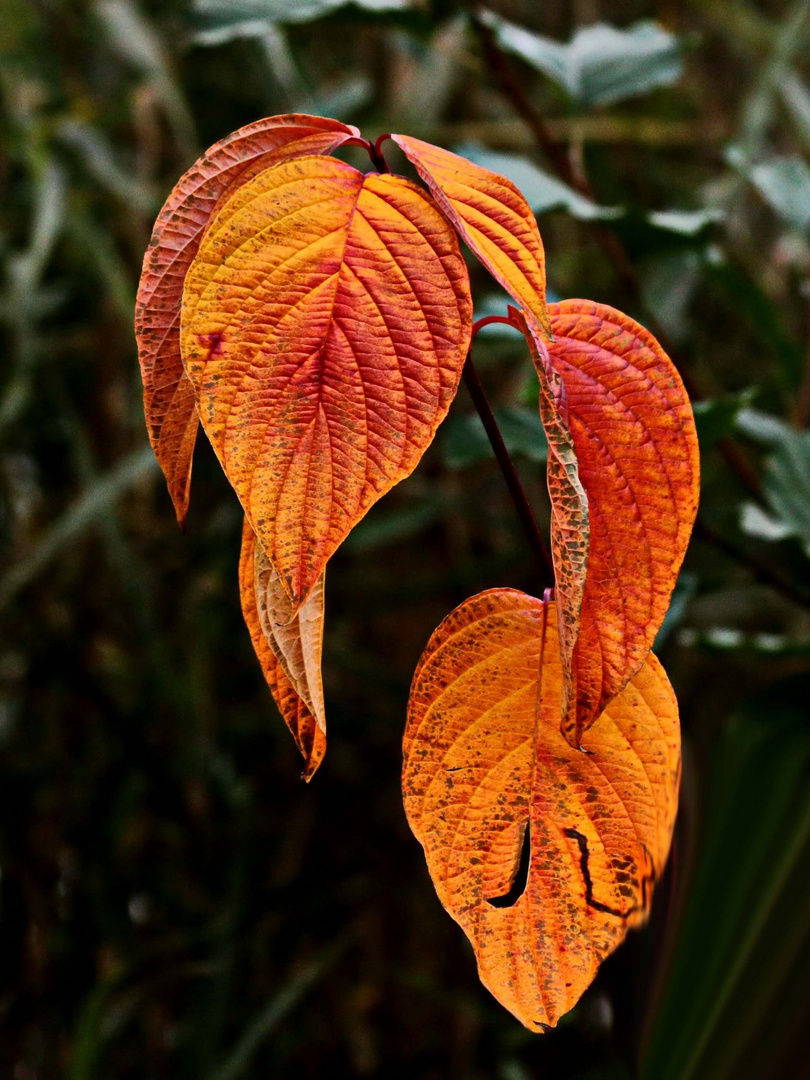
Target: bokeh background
[[174, 902]]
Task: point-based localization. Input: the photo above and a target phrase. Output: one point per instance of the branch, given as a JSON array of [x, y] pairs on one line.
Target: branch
[[507, 466]]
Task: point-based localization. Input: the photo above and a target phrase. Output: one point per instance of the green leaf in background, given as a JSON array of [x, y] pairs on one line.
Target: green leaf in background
[[601, 65], [741, 942], [687, 223], [465, 443], [685, 589], [796, 97], [762, 427], [218, 21], [783, 182], [716, 418], [543, 192], [725, 639], [786, 488]]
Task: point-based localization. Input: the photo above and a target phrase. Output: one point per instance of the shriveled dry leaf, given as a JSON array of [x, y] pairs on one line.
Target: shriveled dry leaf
[[288, 647], [570, 530]]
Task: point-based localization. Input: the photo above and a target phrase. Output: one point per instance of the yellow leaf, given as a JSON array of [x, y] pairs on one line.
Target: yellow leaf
[[492, 217], [326, 319]]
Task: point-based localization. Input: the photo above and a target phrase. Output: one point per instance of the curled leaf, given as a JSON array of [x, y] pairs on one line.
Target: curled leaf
[[637, 455], [171, 417], [491, 216], [570, 531], [326, 319], [288, 647], [487, 775]]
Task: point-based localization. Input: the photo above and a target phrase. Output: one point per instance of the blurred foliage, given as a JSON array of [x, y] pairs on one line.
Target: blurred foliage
[[173, 902]]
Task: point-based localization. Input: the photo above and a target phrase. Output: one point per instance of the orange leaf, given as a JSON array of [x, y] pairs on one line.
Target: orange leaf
[[326, 319], [570, 530], [485, 764], [492, 217], [637, 454], [171, 417], [288, 647]]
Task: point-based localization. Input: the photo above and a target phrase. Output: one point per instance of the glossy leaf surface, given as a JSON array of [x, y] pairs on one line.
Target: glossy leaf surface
[[326, 319], [637, 456], [491, 216], [485, 762], [288, 647], [168, 397]]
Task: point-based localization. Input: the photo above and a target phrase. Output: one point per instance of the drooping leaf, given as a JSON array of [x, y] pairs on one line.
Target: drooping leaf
[[168, 397], [288, 647], [570, 528], [326, 319], [543, 192], [600, 65], [491, 216], [486, 770], [637, 454]]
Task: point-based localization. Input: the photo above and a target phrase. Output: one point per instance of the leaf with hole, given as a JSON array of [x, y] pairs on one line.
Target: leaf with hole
[[171, 417], [487, 777]]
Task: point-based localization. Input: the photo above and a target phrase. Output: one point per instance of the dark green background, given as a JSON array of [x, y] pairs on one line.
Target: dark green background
[[173, 901]]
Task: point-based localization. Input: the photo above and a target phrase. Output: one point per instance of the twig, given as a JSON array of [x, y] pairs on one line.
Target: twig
[[507, 467]]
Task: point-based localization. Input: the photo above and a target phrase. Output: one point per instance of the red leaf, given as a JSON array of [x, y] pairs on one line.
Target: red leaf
[[637, 455], [168, 397]]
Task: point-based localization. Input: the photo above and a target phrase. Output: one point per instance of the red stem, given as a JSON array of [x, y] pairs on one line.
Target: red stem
[[377, 156], [488, 320]]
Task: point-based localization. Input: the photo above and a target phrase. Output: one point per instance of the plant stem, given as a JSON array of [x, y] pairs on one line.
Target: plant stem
[[509, 473], [376, 154]]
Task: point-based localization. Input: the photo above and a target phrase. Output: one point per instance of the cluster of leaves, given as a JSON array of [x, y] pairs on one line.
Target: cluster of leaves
[[316, 321]]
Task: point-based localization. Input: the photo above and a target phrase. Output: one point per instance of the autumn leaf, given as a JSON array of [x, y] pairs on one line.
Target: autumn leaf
[[637, 454], [570, 530], [486, 769], [288, 647], [168, 396], [491, 216], [326, 319]]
